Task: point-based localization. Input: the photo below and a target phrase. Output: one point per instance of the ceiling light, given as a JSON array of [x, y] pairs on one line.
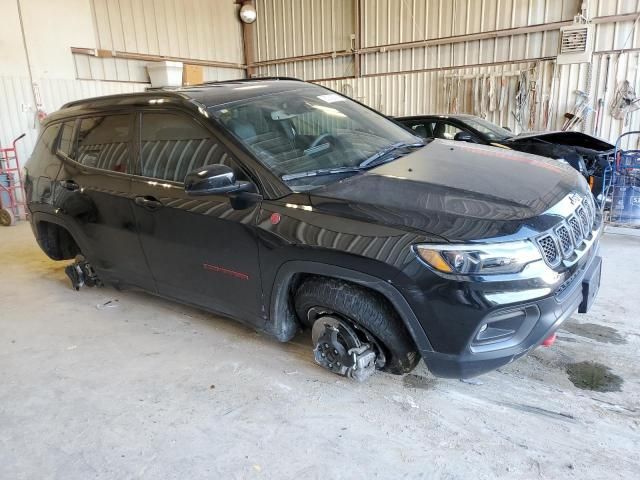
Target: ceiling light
[[248, 13]]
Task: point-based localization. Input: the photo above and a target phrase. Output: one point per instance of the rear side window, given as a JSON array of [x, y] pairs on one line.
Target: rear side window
[[104, 142], [46, 143], [174, 144], [43, 159]]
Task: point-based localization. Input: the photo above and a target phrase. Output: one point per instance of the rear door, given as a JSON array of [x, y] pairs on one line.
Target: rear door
[[200, 250], [93, 195]]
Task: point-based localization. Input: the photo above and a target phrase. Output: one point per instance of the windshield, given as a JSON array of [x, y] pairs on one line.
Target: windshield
[[312, 136], [490, 130]]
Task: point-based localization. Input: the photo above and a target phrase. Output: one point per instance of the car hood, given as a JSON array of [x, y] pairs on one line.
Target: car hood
[[457, 191], [572, 139]]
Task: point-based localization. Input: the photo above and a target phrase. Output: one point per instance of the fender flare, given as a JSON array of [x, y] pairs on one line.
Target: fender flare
[[284, 318]]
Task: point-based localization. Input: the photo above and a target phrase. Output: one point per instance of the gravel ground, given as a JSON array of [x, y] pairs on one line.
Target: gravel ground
[[144, 388]]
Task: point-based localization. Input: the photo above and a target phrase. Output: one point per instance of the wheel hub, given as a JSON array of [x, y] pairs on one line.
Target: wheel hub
[[338, 348]]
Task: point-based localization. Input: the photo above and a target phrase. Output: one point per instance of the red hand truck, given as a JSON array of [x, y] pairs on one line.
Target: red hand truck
[[12, 196]]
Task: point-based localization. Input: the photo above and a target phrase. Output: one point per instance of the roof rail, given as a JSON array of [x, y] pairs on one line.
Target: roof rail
[[75, 103], [252, 79]]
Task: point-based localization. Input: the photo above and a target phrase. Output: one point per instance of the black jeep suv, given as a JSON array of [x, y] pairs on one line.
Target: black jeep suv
[[286, 205]]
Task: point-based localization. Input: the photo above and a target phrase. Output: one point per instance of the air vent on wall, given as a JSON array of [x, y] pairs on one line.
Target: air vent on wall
[[576, 44]]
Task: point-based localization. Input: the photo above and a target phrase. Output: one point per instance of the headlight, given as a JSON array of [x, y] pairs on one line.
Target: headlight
[[481, 259]]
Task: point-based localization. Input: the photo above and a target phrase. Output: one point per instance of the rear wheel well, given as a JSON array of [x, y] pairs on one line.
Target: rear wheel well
[[56, 241]]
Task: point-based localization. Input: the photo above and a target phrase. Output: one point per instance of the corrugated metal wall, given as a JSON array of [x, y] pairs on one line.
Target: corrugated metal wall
[[405, 81], [196, 29]]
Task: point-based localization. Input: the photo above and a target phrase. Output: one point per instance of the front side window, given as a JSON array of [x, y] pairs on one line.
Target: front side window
[[311, 136], [174, 144], [104, 142]]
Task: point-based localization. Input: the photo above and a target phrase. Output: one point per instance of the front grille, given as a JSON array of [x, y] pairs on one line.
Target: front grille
[[549, 250], [565, 238]]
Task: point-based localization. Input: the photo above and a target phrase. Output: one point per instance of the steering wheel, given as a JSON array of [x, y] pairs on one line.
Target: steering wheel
[[325, 137]]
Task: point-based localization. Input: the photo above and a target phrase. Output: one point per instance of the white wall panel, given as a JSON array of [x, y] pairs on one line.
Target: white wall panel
[[200, 29]]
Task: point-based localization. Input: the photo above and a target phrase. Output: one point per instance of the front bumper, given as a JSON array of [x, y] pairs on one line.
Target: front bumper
[[536, 321]]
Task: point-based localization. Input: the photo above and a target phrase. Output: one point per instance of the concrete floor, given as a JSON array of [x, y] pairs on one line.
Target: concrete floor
[[151, 389]]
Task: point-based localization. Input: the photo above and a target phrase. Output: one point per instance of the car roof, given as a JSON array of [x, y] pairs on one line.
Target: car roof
[[207, 94]]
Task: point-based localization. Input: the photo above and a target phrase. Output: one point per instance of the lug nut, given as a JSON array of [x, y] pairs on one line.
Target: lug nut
[[335, 351]]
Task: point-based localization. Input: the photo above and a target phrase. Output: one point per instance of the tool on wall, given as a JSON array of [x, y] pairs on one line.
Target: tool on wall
[[580, 108], [624, 102], [597, 125], [521, 99]]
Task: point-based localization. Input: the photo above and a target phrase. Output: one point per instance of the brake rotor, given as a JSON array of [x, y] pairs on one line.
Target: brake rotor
[[339, 348]]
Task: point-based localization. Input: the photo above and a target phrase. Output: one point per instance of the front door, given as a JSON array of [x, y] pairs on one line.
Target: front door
[[200, 250], [92, 193]]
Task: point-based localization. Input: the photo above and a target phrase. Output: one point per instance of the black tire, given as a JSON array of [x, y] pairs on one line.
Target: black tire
[[365, 309], [56, 242]]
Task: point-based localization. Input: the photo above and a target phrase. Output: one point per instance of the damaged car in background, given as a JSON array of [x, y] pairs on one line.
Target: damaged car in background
[[587, 154], [289, 207]]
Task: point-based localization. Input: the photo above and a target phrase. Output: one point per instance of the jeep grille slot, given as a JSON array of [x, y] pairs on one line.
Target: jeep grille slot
[[584, 221], [565, 240], [576, 228], [549, 250]]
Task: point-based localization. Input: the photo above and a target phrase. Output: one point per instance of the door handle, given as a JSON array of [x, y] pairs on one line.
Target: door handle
[[70, 185], [148, 202]]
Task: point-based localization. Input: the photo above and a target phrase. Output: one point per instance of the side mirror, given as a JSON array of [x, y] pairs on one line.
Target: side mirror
[[214, 180], [463, 137]]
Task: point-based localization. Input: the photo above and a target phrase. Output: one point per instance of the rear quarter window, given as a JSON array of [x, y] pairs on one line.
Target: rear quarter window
[[104, 142]]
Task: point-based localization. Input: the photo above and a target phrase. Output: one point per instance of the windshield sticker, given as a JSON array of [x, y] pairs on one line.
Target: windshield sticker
[[331, 98]]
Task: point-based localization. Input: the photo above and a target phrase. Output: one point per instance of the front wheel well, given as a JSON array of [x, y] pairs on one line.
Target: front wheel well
[[363, 307], [56, 241]]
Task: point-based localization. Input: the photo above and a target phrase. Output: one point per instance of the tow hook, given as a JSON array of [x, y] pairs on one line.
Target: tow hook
[[338, 348], [81, 273], [550, 340]]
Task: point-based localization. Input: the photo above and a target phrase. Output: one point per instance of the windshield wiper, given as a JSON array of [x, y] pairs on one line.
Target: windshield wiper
[[387, 150], [320, 171]]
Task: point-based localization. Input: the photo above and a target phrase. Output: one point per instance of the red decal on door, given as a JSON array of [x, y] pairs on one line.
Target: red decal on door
[[231, 273]]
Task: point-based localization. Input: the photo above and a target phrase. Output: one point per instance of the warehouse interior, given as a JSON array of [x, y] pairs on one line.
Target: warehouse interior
[[117, 383]]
